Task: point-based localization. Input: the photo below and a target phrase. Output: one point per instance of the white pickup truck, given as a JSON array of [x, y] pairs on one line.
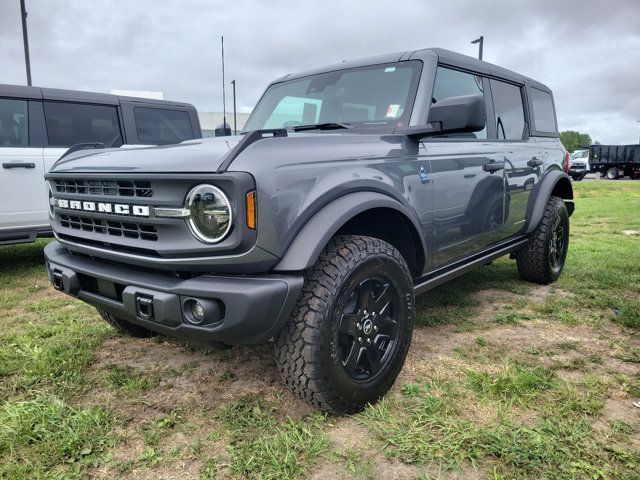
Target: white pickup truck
[[37, 125]]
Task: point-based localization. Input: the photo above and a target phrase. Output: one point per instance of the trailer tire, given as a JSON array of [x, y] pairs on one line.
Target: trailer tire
[[612, 173]]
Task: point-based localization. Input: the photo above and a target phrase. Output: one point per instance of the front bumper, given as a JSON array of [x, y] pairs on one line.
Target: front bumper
[[577, 170], [238, 309]]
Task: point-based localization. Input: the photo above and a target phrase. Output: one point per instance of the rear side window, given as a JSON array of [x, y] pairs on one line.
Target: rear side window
[[509, 110], [454, 83], [14, 130], [162, 125], [544, 115], [72, 123]]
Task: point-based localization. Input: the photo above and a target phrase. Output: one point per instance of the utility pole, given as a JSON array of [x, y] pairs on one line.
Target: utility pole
[[224, 98], [638, 121], [25, 39], [479, 40], [235, 121]]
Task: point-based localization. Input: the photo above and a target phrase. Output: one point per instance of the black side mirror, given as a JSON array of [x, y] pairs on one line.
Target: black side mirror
[[463, 114], [459, 114]]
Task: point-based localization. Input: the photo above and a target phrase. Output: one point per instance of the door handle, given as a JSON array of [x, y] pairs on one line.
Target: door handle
[[493, 166], [534, 162], [10, 165]]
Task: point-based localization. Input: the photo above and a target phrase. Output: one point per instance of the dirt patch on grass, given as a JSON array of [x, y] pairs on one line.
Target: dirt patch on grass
[[349, 437], [616, 409]]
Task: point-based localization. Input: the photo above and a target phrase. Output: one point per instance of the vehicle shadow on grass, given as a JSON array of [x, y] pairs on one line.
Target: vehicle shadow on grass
[[458, 300], [22, 259]]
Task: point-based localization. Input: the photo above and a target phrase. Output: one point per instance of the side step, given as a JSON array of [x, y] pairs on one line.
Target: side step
[[445, 274]]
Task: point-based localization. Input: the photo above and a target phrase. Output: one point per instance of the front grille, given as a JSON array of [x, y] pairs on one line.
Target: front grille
[[118, 188], [110, 227]]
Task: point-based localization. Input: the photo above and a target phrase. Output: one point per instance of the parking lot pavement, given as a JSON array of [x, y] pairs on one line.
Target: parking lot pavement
[[596, 176]]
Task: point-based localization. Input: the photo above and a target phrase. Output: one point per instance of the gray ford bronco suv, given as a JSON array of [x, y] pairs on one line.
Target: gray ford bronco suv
[[352, 189]]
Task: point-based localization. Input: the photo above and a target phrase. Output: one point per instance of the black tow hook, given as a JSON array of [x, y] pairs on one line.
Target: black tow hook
[[57, 281], [144, 307]]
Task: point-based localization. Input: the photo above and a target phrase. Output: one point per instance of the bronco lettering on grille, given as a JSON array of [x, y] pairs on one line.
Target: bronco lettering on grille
[[101, 207]]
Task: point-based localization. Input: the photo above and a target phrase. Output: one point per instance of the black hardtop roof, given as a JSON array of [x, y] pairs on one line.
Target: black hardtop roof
[[446, 57], [40, 93]]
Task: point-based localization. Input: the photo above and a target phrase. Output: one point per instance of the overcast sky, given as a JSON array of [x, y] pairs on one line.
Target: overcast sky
[[588, 52]]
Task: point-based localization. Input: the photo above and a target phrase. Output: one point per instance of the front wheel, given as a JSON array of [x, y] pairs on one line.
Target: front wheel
[[612, 173], [542, 259], [124, 327], [348, 336]]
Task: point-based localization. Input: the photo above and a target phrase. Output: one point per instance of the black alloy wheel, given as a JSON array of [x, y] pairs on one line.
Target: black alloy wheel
[[558, 244], [369, 328]]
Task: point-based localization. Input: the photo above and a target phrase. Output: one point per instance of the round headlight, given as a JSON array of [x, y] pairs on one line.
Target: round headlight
[[52, 212], [211, 217]]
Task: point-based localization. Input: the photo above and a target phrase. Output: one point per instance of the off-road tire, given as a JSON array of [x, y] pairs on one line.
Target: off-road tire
[[307, 348], [124, 327], [534, 264]]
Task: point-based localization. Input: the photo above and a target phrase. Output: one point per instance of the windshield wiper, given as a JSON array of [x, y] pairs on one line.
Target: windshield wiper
[[322, 126]]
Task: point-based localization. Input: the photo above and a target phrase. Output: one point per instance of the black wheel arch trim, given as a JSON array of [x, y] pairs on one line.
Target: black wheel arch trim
[[306, 247], [542, 192]]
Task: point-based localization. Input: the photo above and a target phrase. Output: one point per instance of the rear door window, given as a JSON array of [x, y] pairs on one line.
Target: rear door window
[[14, 130], [509, 110], [544, 115], [454, 83], [72, 123], [162, 125]]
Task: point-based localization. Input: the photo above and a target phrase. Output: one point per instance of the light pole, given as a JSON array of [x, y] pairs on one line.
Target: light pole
[[479, 40], [638, 121], [25, 40], [235, 122]]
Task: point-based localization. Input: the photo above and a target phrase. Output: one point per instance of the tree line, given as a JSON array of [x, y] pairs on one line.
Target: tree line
[[573, 140]]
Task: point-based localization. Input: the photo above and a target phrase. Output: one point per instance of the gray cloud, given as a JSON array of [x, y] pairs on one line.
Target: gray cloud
[[588, 52]]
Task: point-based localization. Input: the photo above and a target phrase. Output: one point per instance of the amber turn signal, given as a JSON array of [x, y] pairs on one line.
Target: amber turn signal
[[251, 209]]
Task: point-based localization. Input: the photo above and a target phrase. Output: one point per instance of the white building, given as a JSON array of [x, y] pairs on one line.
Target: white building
[[210, 120]]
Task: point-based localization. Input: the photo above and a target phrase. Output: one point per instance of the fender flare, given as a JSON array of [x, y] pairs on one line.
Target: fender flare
[[307, 245], [542, 192]]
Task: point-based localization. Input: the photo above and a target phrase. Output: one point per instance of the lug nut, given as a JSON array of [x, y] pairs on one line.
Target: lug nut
[[368, 340], [375, 328], [359, 339]]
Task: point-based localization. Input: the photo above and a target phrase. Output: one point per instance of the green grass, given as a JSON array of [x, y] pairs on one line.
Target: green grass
[[261, 447], [476, 402], [130, 381], [44, 437]]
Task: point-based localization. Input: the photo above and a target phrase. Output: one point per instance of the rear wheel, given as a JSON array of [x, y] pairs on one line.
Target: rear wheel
[[124, 327], [542, 260], [348, 336], [612, 173]]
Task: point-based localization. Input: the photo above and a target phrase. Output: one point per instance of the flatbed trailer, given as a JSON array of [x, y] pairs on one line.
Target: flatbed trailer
[[615, 161]]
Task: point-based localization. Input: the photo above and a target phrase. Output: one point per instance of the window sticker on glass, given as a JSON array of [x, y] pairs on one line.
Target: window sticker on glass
[[389, 69], [392, 111]]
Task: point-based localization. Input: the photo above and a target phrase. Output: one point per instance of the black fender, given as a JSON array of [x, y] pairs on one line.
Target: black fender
[[306, 247], [553, 180]]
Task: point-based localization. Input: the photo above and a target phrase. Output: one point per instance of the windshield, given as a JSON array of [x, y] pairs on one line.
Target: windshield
[[372, 97], [579, 154]]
